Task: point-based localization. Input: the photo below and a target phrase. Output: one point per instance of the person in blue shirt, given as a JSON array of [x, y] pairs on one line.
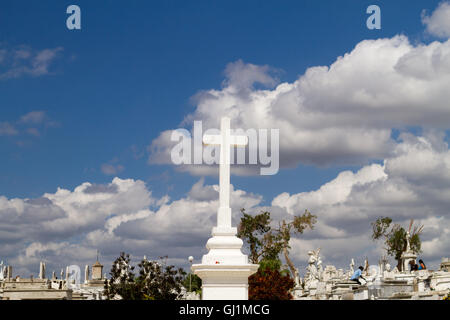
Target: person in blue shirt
[[421, 265], [357, 275]]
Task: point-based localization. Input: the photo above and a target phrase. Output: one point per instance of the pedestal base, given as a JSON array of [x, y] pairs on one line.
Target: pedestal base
[[224, 282], [225, 269]]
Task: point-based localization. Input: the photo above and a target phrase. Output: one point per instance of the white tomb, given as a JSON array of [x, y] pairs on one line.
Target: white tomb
[[224, 269]]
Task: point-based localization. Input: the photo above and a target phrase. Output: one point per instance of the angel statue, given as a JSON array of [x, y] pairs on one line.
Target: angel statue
[[314, 268]]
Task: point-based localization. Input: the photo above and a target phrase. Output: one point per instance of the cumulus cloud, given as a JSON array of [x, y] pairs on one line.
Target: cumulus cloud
[[438, 24], [69, 226], [186, 221], [49, 224], [414, 183], [24, 60], [338, 114]]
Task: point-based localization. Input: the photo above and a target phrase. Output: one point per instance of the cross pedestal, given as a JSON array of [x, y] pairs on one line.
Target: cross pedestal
[[224, 269]]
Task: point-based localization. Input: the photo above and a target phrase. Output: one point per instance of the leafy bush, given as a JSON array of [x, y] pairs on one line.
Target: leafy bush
[[156, 280]]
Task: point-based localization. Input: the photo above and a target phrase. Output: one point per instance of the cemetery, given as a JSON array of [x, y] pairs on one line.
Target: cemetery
[[319, 283], [122, 125], [225, 269]]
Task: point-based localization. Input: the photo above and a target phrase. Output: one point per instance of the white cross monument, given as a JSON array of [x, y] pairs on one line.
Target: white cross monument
[[225, 269]]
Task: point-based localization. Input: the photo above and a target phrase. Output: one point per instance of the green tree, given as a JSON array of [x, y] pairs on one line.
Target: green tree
[[255, 231], [160, 281], [266, 244], [297, 226], [122, 280], [195, 283], [155, 281], [395, 237]]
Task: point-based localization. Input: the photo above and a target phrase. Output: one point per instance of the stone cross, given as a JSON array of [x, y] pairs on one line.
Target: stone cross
[[225, 140]]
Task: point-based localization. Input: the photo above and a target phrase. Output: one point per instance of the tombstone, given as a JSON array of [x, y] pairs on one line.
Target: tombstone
[[366, 267], [388, 274], [9, 273], [321, 288], [97, 271], [224, 269], [383, 263], [5, 273], [86, 274], [445, 264], [2, 275], [74, 273], [42, 270], [67, 275], [352, 267], [347, 296], [330, 272]]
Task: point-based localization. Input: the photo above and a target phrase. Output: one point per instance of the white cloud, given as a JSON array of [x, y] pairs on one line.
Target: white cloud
[[341, 114], [66, 227], [23, 60], [412, 184], [438, 24], [243, 76], [111, 169], [186, 221]]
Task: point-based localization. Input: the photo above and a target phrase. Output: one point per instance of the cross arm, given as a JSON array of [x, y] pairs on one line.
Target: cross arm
[[216, 140]]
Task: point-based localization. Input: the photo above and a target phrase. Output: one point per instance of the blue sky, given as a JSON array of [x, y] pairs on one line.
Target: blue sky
[[109, 90], [131, 70]]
